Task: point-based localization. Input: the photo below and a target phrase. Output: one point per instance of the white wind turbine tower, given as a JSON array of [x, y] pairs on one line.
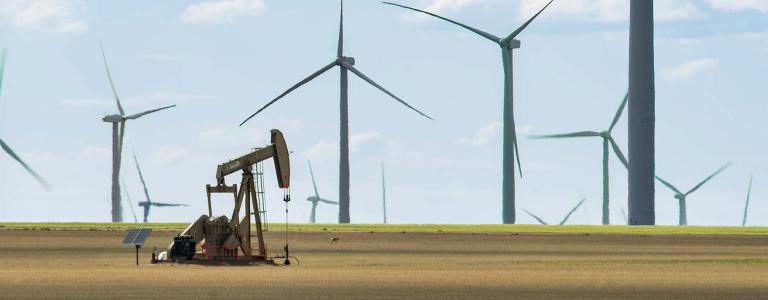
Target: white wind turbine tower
[[346, 64], [608, 140], [509, 148], [118, 131], [682, 197]]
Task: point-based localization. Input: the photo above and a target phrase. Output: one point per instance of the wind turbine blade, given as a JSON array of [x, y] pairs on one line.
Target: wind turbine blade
[[619, 112], [295, 86], [328, 201], [522, 27], [340, 51], [619, 154], [746, 204], [139, 115], [373, 83], [34, 174], [572, 211], [721, 169], [111, 83], [141, 177], [535, 217], [624, 214], [128, 196], [3, 53], [667, 184], [314, 185], [161, 204], [517, 151], [484, 34], [566, 135]]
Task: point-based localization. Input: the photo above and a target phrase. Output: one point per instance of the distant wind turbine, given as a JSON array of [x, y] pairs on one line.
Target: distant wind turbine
[[681, 197], [345, 64], [607, 140], [118, 131], [383, 195], [6, 147], [149, 203], [562, 222], [316, 198], [746, 204], [624, 214], [510, 149]]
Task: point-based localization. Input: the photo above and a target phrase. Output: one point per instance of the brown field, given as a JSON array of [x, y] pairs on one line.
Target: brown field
[[92, 264]]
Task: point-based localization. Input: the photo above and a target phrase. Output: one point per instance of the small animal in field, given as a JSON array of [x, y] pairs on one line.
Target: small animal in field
[[334, 240]]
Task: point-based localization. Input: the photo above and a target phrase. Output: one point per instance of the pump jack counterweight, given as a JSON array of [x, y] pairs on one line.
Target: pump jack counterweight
[[223, 240]]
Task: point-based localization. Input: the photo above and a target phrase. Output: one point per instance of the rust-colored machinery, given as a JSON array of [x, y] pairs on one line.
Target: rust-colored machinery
[[223, 239]]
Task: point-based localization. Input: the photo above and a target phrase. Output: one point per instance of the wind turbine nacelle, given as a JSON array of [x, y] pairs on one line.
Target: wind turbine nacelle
[[513, 44], [113, 118], [348, 60]]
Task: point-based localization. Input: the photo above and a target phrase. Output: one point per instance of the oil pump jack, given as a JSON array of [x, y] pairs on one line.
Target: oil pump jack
[[222, 239]]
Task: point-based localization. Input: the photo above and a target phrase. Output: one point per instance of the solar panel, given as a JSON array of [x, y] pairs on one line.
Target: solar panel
[[137, 236]]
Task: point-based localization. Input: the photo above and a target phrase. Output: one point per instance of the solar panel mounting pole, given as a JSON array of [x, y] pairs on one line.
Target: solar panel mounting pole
[[137, 254]]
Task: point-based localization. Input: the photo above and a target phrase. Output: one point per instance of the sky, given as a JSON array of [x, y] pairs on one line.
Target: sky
[[221, 60]]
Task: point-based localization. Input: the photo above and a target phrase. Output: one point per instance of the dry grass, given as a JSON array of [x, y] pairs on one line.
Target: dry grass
[[386, 265]]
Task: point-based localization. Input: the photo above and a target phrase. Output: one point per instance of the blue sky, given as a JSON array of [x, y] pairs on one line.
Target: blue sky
[[220, 60]]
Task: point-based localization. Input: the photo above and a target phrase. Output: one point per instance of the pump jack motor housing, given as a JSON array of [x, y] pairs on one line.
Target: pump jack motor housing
[[228, 240]]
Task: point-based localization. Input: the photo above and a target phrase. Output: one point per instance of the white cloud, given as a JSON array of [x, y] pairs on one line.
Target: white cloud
[[491, 132], [53, 16], [358, 140], [221, 11], [690, 69], [606, 10], [484, 135], [735, 5], [167, 155], [323, 150]]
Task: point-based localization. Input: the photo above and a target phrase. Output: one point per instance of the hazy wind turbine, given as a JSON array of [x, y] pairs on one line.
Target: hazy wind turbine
[[681, 197], [383, 195], [746, 204], [118, 131], [510, 150], [624, 214], [6, 147], [345, 64], [316, 198], [542, 222], [607, 140], [149, 203]]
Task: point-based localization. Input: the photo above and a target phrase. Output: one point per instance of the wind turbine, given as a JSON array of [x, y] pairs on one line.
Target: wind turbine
[[681, 197], [345, 64], [118, 131], [316, 198], [607, 140], [383, 195], [746, 204], [149, 203], [624, 214], [507, 44], [6, 147], [565, 219]]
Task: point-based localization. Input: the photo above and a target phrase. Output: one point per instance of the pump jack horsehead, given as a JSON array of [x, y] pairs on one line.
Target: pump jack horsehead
[[239, 228]]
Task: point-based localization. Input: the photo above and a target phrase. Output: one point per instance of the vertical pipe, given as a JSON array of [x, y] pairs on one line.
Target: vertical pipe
[[508, 145], [606, 192], [641, 114], [344, 150]]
